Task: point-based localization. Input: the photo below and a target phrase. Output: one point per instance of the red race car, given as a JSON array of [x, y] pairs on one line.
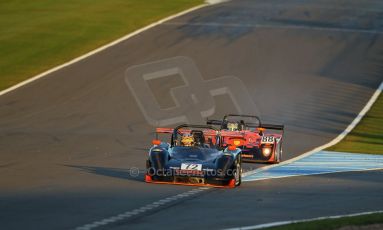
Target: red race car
[[259, 143]]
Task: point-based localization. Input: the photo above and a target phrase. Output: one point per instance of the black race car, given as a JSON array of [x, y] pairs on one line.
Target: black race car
[[194, 156]]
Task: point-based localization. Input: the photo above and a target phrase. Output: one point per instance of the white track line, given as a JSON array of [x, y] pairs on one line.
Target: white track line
[[41, 75], [275, 224], [336, 140], [126, 37], [141, 210], [194, 191], [215, 1], [314, 174], [335, 162]]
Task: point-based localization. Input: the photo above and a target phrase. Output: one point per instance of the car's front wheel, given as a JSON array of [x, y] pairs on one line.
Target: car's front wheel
[[238, 171]]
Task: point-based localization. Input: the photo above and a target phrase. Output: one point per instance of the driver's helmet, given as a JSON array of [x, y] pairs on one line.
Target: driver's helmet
[[232, 126], [187, 140]]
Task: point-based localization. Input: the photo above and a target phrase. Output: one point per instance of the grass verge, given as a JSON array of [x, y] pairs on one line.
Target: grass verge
[[329, 224], [367, 136], [38, 35]]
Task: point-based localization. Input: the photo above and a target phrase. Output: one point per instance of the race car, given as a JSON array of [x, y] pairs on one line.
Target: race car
[[194, 156], [260, 142]]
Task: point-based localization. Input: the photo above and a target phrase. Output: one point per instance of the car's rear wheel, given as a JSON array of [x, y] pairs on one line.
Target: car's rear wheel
[[280, 153], [278, 156]]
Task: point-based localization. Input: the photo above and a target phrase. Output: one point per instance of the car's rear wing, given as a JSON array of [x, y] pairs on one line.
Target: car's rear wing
[[207, 132], [214, 122], [272, 126], [186, 130], [241, 115], [249, 124], [164, 130], [221, 122]]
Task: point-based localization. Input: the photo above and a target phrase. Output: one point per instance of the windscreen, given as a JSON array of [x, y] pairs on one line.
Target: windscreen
[[203, 138]]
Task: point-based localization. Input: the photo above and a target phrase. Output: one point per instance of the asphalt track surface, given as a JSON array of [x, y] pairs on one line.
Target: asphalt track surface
[[68, 140]]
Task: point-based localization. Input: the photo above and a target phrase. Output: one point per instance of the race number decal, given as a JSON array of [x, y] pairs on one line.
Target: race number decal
[[267, 140], [185, 166]]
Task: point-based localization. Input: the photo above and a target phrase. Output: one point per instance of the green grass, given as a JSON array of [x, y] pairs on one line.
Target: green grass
[[329, 224], [367, 137], [40, 34]]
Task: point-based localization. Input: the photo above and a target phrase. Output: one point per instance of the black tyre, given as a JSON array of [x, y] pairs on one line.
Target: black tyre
[[278, 157], [238, 171], [280, 153]]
